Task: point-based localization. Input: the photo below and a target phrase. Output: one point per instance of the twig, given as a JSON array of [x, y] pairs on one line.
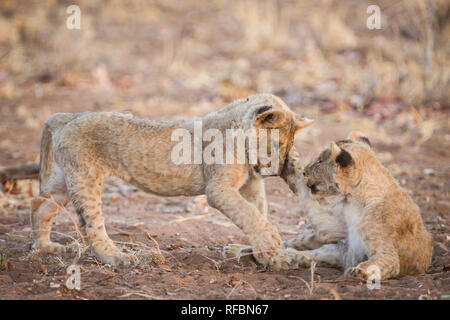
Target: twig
[[80, 250], [156, 242], [239, 284], [28, 171], [216, 264], [62, 208], [234, 288], [137, 293], [304, 281]]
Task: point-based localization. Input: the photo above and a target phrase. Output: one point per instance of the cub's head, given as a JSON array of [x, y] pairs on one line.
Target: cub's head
[[269, 113], [338, 168]]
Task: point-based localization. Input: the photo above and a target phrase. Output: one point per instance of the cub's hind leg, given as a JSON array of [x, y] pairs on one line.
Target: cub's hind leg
[[383, 262], [85, 193], [51, 200]]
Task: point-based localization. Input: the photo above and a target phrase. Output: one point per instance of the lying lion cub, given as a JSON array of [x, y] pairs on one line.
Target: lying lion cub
[[375, 230], [78, 151]]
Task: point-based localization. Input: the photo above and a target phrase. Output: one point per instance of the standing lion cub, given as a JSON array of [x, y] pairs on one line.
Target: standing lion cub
[[78, 151], [375, 230]]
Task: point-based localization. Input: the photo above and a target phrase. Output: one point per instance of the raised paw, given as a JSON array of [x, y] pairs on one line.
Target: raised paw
[[243, 253]]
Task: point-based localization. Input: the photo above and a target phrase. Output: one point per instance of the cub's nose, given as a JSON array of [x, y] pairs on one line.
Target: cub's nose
[[313, 187]]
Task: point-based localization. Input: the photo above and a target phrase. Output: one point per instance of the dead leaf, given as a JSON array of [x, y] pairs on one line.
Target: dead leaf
[[174, 247]]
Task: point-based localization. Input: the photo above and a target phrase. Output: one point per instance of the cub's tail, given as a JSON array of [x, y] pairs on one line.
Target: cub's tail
[[53, 124]]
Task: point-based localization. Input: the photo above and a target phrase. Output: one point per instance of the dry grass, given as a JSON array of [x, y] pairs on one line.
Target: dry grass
[[180, 60], [318, 49]]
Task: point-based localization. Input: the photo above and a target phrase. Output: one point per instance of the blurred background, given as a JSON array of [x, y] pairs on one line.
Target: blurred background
[[172, 59]]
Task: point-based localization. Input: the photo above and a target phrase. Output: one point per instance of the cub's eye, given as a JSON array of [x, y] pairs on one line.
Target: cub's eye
[[319, 161]]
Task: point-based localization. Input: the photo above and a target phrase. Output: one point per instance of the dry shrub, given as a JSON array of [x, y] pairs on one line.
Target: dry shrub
[[313, 52], [264, 23]]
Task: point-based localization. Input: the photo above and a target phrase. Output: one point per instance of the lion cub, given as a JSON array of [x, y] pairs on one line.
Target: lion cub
[[78, 151], [375, 230]]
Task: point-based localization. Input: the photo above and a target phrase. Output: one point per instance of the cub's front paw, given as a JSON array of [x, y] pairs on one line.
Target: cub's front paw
[[303, 190], [266, 244], [287, 259], [110, 254]]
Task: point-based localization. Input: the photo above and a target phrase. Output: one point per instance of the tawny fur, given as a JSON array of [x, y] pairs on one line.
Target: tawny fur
[[78, 151], [376, 230], [376, 224]]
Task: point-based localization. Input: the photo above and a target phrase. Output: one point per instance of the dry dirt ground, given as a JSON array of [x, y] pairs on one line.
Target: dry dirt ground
[[178, 60], [189, 236]]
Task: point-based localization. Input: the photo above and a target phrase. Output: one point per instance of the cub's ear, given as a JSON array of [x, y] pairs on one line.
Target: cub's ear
[[302, 122], [358, 135], [341, 156], [267, 117]]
